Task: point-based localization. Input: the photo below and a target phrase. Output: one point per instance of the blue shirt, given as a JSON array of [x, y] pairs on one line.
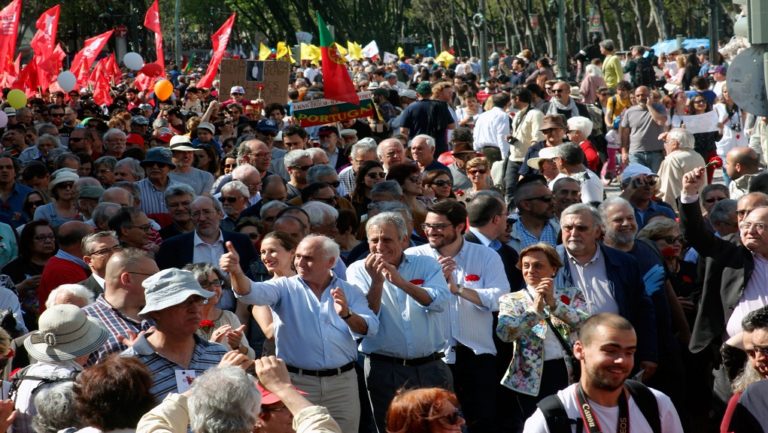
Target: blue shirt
[[309, 334], [206, 355], [654, 208], [11, 210], [407, 329]]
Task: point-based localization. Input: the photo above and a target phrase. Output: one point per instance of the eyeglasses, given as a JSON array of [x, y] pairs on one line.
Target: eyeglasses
[[233, 165], [547, 131], [207, 284], [194, 300], [36, 203], [440, 227], [474, 172], [544, 198], [66, 185], [334, 184], [228, 199], [75, 139], [303, 167], [45, 238], [145, 227], [150, 164], [204, 212], [442, 183], [376, 175], [699, 101], [107, 250], [670, 239], [452, 418], [714, 199], [578, 228], [762, 350], [747, 226]]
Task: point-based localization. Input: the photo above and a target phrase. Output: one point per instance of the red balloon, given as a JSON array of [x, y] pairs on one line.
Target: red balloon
[[151, 70]]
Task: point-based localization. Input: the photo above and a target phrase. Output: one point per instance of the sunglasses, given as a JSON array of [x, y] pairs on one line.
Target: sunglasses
[[671, 239], [699, 101], [543, 198], [36, 203], [714, 199], [303, 167], [75, 139], [473, 172], [230, 165], [228, 199], [442, 183], [376, 175], [151, 164]]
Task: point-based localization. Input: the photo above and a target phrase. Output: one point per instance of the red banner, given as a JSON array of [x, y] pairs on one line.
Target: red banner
[[44, 41], [81, 65], [152, 22], [220, 40], [9, 30]]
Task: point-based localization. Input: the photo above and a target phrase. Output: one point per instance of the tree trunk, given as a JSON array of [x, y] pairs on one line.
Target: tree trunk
[[639, 25], [548, 41]]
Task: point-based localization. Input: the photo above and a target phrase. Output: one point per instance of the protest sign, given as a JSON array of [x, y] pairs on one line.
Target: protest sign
[[267, 80], [322, 111], [706, 122]]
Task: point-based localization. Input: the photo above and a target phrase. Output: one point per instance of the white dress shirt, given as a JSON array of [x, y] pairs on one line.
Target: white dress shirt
[[491, 129], [208, 253]]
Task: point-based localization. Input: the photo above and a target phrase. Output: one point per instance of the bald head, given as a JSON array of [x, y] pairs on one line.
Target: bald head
[[124, 261], [741, 161], [70, 236], [749, 202], [117, 195], [590, 328]]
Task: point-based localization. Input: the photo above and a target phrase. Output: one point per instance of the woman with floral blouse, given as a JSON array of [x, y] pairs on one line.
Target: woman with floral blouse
[[541, 364]]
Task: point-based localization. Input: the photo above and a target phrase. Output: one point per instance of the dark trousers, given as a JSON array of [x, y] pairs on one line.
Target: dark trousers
[[554, 377], [511, 173], [474, 378], [385, 378]]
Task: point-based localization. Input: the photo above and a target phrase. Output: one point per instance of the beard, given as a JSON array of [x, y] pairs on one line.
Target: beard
[[602, 379], [621, 238]]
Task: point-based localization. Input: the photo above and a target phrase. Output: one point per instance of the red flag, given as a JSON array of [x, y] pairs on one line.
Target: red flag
[[337, 84], [9, 77], [81, 65], [111, 69], [28, 79], [100, 83], [152, 22], [9, 30], [44, 41], [220, 40]]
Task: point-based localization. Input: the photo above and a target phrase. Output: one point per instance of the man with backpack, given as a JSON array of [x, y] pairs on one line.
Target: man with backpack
[[604, 400], [640, 68]]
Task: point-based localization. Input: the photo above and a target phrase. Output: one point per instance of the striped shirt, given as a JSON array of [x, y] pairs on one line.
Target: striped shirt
[[206, 355], [118, 324], [152, 199]]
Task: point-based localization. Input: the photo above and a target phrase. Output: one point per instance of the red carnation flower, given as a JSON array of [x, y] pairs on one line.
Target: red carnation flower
[[687, 279], [207, 324], [472, 277], [565, 300], [417, 282], [715, 161], [669, 252]]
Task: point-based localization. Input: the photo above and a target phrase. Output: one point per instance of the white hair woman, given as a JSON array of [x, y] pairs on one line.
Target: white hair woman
[[579, 129], [593, 80], [680, 159]]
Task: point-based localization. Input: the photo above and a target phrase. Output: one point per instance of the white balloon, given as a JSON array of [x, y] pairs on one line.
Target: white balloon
[[133, 61], [3, 119], [66, 81]]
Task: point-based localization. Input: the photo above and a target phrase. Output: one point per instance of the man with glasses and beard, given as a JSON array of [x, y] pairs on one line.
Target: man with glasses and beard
[[535, 220]]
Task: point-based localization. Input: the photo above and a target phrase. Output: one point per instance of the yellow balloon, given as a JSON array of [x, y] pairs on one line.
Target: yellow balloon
[[163, 89], [17, 98]]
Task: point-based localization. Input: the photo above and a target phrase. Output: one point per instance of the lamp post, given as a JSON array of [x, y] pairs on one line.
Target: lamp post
[[562, 56], [177, 34]]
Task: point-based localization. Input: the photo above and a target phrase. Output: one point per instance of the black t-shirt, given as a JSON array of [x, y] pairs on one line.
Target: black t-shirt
[[431, 118]]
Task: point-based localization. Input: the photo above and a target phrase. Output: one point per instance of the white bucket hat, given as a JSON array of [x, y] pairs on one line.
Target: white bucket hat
[[65, 333], [170, 287]]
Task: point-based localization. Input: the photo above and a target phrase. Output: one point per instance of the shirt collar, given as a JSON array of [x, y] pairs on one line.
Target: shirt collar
[[481, 237], [594, 258], [197, 240]]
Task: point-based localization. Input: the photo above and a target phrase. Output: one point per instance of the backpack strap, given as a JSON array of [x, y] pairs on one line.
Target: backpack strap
[[554, 413], [647, 403]]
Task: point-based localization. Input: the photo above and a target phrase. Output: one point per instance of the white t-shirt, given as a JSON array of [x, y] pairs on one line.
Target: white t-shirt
[[608, 416]]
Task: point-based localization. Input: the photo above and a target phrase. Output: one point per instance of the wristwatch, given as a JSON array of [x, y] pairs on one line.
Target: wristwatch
[[349, 314], [460, 290]]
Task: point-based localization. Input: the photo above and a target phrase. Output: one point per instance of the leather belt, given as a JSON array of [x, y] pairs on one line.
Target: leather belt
[[322, 373], [413, 362]]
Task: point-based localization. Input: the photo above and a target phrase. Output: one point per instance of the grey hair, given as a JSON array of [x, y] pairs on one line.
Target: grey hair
[[583, 208], [130, 186], [55, 406], [582, 124], [682, 136], [238, 186], [608, 44], [570, 153], [213, 411], [317, 171], [319, 212], [612, 201], [390, 206], [242, 171], [46, 128], [388, 186], [722, 211], [291, 158], [179, 189], [134, 165], [314, 151], [77, 290], [593, 70], [202, 270], [94, 237], [329, 246], [113, 131], [103, 212], [393, 218], [555, 186], [363, 146], [271, 205], [49, 138], [109, 161], [428, 138]]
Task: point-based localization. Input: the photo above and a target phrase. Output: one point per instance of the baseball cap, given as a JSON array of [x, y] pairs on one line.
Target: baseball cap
[[237, 89]]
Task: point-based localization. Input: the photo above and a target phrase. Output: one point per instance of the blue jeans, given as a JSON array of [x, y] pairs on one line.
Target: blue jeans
[[651, 160]]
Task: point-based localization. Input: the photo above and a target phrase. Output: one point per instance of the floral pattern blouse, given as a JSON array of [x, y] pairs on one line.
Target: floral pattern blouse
[[521, 324]]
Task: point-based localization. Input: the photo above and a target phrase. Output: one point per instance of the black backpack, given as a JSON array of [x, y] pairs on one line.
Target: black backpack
[[644, 73], [558, 422], [22, 375]]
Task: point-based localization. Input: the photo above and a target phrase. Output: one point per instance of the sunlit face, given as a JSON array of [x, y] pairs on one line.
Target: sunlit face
[[385, 240], [275, 256], [440, 231], [535, 265], [608, 358]]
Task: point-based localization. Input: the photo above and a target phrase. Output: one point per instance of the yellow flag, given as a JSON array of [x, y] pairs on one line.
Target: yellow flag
[[400, 52], [445, 57], [355, 50], [264, 52], [342, 50], [306, 51], [315, 53], [283, 51]]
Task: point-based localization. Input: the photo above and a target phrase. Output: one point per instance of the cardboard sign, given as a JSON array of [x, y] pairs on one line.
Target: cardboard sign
[[267, 80], [322, 111]]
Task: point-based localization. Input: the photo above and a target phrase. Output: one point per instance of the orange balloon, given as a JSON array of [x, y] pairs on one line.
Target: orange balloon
[[163, 89]]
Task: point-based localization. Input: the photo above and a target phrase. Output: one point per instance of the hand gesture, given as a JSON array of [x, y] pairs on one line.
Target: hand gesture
[[230, 261], [694, 180], [449, 265], [234, 358], [340, 302], [272, 372], [235, 336], [220, 333], [372, 263], [132, 337]]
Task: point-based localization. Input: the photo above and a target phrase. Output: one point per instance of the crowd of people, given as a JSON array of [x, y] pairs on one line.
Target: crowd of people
[[449, 264]]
